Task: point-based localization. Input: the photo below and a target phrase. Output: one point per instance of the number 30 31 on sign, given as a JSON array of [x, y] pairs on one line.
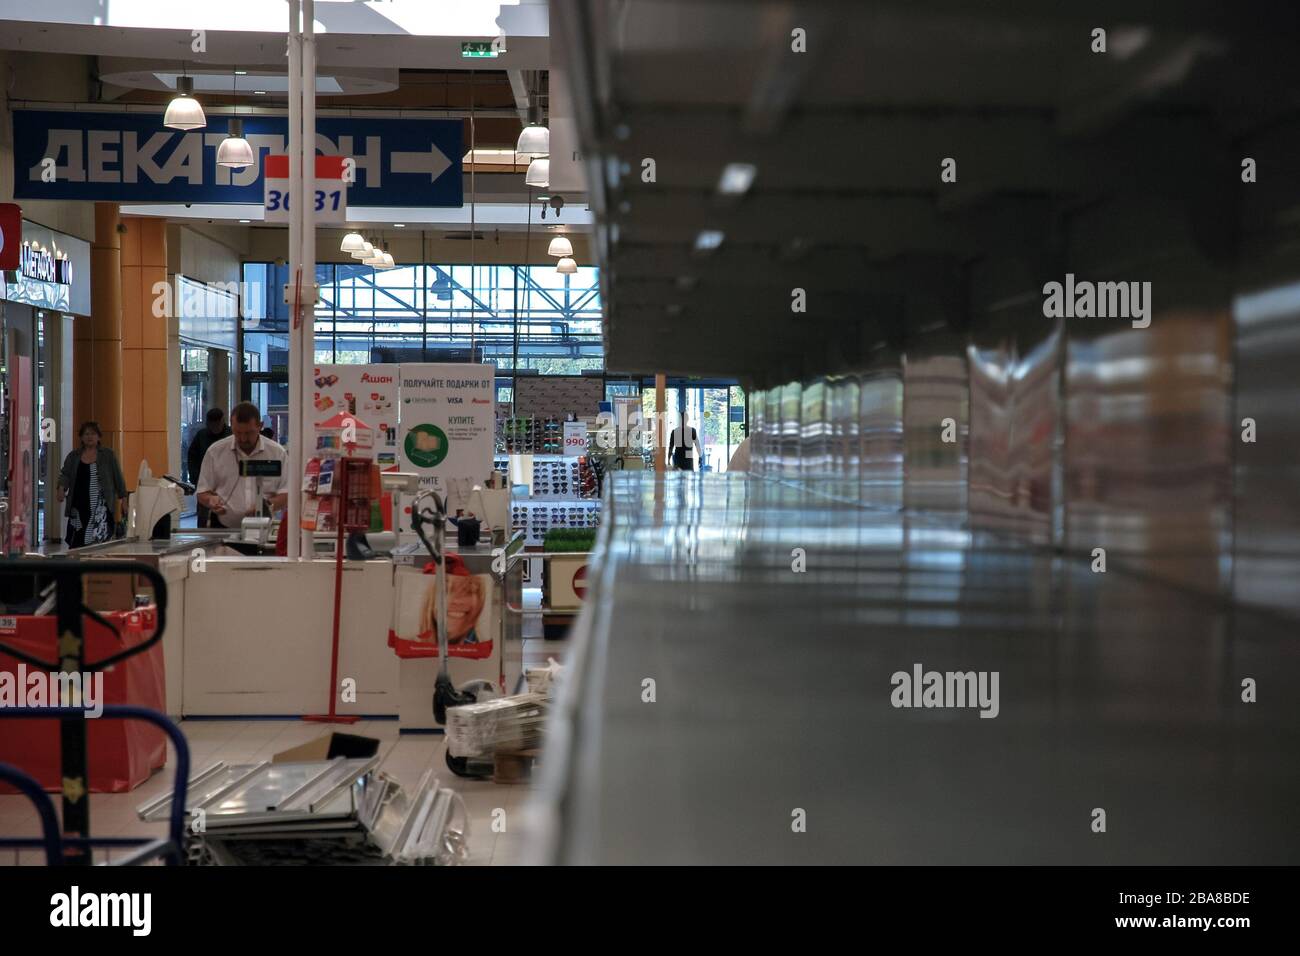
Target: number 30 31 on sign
[[330, 191]]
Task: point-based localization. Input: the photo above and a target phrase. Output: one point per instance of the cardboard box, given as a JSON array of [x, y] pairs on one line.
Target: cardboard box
[[113, 592]]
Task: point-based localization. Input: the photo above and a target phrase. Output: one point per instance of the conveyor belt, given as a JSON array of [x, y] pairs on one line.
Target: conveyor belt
[[773, 694]]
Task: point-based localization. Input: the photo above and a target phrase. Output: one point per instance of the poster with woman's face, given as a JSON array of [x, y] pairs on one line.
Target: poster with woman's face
[[466, 606]]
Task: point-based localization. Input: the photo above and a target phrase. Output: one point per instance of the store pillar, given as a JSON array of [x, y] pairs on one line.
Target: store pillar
[[144, 347], [97, 346]]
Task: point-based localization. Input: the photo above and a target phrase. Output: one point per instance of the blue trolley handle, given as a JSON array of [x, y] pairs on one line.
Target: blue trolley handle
[[44, 808], [180, 787]]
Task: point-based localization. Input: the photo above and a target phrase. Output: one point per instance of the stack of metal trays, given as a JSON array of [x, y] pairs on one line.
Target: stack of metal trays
[[327, 812], [505, 724]]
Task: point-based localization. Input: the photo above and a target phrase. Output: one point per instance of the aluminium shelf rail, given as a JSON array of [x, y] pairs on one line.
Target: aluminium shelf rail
[[774, 620]]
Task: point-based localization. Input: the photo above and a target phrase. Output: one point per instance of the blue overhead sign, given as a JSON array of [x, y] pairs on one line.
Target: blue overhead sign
[[133, 158]]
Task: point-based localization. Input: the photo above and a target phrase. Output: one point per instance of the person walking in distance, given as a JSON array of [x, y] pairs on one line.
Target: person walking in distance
[[92, 483], [684, 446]]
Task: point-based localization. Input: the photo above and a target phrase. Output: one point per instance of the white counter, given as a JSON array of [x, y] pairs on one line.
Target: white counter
[[257, 636]]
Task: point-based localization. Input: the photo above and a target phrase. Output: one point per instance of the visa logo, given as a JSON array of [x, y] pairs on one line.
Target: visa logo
[[453, 400]]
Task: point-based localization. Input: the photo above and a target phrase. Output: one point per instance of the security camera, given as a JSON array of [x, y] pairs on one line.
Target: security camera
[[188, 205]]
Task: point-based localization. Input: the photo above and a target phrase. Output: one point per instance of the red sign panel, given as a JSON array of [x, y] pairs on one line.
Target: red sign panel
[[11, 235]]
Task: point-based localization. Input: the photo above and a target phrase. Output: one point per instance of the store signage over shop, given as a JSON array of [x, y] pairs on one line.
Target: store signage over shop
[[36, 262], [132, 157]]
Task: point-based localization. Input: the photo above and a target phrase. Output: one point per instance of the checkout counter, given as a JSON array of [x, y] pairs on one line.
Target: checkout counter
[[251, 634]]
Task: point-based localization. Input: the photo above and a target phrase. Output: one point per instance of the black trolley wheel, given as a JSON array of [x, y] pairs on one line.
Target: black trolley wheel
[[459, 766]]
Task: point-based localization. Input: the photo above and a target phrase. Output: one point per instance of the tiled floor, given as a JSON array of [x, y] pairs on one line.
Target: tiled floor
[[245, 741]]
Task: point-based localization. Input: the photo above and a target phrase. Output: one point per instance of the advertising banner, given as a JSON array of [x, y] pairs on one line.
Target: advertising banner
[[133, 158], [367, 391], [447, 427]]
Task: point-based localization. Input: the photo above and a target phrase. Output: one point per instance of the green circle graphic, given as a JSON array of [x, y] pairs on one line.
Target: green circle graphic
[[429, 451]]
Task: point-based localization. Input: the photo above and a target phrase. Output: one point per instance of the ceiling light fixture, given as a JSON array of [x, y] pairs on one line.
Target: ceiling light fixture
[[736, 178], [566, 266], [560, 246], [352, 243], [184, 111], [539, 174], [708, 240], [365, 252], [534, 142], [235, 151]]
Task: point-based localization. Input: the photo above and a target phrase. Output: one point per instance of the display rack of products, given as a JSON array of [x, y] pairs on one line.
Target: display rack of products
[[535, 518], [525, 435], [591, 475], [556, 477], [341, 490]]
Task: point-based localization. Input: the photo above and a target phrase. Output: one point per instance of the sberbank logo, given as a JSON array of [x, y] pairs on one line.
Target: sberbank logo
[[426, 446]]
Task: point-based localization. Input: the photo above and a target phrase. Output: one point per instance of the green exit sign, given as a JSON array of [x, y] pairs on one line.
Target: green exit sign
[[473, 49]]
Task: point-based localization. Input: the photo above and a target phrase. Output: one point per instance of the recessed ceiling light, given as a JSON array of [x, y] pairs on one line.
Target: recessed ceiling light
[[245, 221], [259, 92], [708, 240], [241, 73], [736, 178], [399, 225]]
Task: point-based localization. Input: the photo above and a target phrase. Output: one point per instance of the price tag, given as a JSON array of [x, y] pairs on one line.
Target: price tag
[[329, 195], [575, 439]]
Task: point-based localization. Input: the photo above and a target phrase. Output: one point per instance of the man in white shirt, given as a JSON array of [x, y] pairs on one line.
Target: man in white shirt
[[227, 494]]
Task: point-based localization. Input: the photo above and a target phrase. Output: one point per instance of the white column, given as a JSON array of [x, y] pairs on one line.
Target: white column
[[297, 416], [308, 234]]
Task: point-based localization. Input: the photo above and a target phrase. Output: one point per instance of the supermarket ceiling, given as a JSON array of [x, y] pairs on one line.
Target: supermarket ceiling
[[846, 142], [374, 58]]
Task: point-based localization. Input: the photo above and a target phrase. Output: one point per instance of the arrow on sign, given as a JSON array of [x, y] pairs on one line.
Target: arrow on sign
[[434, 162]]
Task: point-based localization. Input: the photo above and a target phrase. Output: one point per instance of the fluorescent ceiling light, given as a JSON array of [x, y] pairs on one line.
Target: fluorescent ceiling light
[[736, 178], [184, 112], [539, 174], [708, 240], [560, 246], [534, 141], [566, 266]]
